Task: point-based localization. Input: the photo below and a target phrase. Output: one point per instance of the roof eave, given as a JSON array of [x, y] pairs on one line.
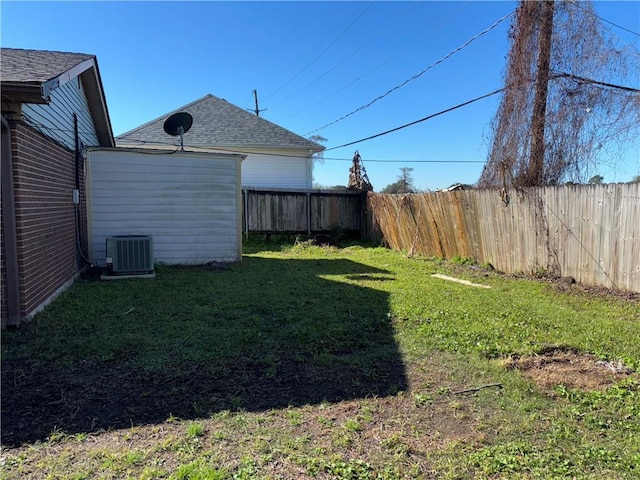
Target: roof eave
[[162, 150], [225, 146], [305, 148], [22, 92], [40, 93], [92, 84]]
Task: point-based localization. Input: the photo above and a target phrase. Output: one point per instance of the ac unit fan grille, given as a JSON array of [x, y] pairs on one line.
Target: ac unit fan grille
[[130, 254]]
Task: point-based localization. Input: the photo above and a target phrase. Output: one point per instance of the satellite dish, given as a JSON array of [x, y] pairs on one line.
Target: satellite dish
[[178, 124]]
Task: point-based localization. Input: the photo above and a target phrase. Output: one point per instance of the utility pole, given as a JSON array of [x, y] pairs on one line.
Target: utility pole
[[257, 109], [536, 158]]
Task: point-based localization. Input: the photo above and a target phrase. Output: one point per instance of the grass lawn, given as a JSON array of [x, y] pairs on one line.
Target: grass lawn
[[310, 362]]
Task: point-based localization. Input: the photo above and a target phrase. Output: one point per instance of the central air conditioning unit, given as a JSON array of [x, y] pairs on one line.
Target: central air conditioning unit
[[130, 255]]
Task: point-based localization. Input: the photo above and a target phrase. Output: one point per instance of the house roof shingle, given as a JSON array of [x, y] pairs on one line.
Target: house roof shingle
[[218, 123], [29, 76], [36, 66]]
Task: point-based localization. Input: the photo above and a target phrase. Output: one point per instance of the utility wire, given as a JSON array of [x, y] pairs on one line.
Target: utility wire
[[579, 79], [428, 32], [376, 35], [552, 77], [406, 161], [205, 149], [428, 117], [35, 123], [224, 150], [322, 52], [418, 75], [604, 19]]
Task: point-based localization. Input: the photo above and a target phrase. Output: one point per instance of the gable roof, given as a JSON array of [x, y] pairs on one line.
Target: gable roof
[[29, 76], [218, 123]]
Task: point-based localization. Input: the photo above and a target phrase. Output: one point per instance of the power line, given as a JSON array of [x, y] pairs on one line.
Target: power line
[[406, 161], [322, 52], [418, 121], [604, 19], [418, 75], [207, 149], [35, 123], [197, 148], [376, 35], [579, 79], [555, 76], [428, 32]]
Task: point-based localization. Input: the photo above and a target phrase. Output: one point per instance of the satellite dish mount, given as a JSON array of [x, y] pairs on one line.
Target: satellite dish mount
[[178, 124]]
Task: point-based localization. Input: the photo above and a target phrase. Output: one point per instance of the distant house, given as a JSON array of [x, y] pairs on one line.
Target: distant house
[[53, 107], [275, 157]]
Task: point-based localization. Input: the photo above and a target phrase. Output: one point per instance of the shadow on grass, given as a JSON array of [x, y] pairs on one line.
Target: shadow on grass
[[264, 334]]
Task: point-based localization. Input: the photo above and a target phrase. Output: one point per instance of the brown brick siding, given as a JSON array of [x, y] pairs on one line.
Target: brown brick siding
[[44, 179], [4, 310]]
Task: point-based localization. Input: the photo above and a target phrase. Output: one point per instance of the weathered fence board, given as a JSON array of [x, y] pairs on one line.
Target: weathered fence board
[[314, 211], [588, 232]]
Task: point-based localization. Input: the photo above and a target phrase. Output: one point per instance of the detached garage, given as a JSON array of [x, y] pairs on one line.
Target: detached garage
[[189, 203]]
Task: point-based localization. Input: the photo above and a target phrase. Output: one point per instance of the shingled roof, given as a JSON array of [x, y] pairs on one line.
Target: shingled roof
[[37, 66], [29, 76], [218, 123]]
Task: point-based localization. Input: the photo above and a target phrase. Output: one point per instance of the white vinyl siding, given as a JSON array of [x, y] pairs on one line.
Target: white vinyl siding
[[272, 171], [55, 119], [189, 203]]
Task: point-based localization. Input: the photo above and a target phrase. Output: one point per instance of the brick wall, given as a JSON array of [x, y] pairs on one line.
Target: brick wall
[[44, 179], [4, 311]]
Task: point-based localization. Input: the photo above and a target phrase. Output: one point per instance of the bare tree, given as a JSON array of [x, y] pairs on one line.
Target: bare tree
[[404, 184], [566, 107], [319, 157]]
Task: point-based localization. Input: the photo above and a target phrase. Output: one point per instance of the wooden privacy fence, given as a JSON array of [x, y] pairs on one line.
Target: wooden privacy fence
[[588, 232], [309, 211]]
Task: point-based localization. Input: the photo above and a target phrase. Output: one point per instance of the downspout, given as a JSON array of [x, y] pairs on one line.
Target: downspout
[[76, 192], [76, 139], [10, 231]]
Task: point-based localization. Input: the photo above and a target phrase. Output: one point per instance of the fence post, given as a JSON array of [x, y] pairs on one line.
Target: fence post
[[362, 201], [246, 214], [308, 214]]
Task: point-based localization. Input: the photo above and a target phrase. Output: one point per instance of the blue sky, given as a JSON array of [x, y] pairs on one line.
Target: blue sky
[[311, 63]]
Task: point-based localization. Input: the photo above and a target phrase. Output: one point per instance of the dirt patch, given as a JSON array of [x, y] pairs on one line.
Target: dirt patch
[[569, 368], [559, 284], [364, 437], [88, 397], [569, 285]]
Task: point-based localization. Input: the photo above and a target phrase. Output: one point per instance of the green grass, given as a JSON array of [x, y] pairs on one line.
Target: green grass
[[308, 362]]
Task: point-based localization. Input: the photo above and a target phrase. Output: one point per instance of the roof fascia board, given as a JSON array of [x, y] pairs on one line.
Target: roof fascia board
[[48, 87], [73, 72], [284, 150], [56, 82], [23, 92], [287, 149], [88, 73], [92, 83], [40, 92], [163, 151]]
